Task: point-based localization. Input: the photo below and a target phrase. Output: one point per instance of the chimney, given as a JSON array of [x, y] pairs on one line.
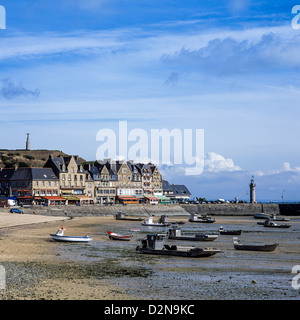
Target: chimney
[[87, 166]]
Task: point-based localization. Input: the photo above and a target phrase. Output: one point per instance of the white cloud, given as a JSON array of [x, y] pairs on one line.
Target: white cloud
[[269, 51], [285, 168], [215, 162]]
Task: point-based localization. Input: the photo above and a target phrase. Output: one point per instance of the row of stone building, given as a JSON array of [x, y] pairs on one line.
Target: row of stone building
[[64, 180]]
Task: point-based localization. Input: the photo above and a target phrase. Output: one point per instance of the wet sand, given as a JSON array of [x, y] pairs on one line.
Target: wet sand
[[39, 268]]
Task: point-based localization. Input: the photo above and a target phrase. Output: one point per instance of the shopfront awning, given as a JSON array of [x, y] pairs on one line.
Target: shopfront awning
[[84, 198], [126, 197], [164, 199], [70, 198], [55, 198], [152, 198]]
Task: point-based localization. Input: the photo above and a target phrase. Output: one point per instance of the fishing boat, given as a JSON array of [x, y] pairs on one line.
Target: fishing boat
[[153, 244], [203, 219], [59, 236], [117, 236], [272, 224], [253, 246], [121, 216], [261, 215], [275, 218], [229, 232], [175, 234], [148, 222]]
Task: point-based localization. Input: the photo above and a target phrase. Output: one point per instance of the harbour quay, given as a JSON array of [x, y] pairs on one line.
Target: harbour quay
[[238, 209]]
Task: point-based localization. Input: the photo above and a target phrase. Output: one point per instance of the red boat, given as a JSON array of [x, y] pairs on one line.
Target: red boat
[[116, 236]]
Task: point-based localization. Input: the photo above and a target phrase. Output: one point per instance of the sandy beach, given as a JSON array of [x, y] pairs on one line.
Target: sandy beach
[[30, 247], [39, 268]]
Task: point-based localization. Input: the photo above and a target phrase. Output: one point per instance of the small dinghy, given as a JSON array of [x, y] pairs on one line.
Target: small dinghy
[[59, 236], [117, 236], [229, 232], [253, 246]]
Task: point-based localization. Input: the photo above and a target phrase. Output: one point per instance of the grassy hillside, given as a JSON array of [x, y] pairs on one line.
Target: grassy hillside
[[24, 158]]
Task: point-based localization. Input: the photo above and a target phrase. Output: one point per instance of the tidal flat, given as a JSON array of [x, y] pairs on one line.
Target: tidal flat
[[39, 268]]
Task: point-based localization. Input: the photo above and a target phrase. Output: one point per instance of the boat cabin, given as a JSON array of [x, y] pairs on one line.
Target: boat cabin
[[149, 220], [163, 219], [175, 232], [194, 217], [153, 241], [120, 215]]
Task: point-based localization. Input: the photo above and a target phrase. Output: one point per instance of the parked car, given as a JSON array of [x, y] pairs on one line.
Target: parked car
[[15, 210]]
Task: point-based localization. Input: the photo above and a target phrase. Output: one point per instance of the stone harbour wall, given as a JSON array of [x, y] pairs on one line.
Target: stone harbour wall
[[239, 209]]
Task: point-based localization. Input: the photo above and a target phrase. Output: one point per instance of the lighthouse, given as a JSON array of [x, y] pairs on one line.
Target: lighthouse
[[252, 186], [28, 142]]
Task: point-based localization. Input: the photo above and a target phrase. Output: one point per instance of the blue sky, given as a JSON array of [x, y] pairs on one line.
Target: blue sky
[[69, 68]]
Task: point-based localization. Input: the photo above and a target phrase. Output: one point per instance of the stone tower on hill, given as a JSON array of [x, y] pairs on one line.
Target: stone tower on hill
[[28, 142]]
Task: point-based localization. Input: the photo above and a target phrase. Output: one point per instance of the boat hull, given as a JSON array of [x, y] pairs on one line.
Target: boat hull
[[231, 232], [266, 247], [155, 224], [192, 253], [261, 216], [70, 238], [277, 226], [203, 221], [194, 238], [119, 238], [115, 236], [130, 219]]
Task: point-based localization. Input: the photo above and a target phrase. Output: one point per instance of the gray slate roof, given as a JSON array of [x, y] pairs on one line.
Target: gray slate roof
[[180, 190], [27, 174]]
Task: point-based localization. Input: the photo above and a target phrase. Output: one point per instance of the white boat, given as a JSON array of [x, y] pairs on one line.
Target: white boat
[[149, 223], [59, 236]]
